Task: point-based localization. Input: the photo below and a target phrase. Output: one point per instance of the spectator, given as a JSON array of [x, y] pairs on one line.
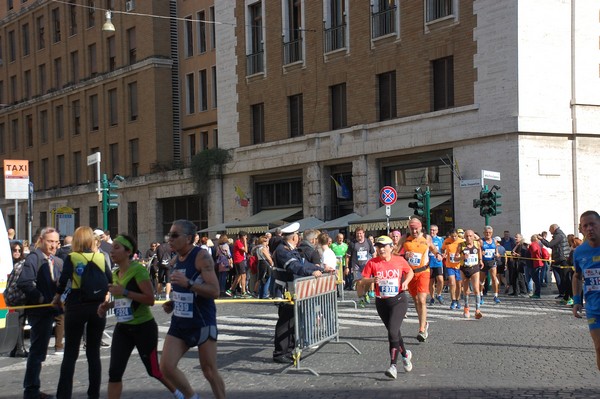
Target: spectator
[[560, 254], [19, 350]]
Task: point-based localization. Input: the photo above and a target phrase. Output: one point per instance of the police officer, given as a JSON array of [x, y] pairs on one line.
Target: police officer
[[288, 265]]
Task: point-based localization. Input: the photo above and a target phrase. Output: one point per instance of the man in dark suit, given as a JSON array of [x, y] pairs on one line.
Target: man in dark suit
[[38, 281]]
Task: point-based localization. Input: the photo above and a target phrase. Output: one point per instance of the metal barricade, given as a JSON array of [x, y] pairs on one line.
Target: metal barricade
[[340, 282], [316, 316]]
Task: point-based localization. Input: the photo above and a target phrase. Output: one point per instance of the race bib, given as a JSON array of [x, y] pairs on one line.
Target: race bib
[[453, 257], [389, 287], [489, 253], [592, 279], [184, 304], [361, 255], [415, 259], [471, 260], [123, 310]]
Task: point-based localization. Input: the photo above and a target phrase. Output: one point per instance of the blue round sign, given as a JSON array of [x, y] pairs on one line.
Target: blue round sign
[[388, 195]]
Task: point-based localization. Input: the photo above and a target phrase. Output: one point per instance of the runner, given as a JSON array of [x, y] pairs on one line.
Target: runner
[[450, 248], [360, 250], [587, 265], [436, 281], [490, 254], [471, 263], [416, 250], [391, 276], [136, 328]]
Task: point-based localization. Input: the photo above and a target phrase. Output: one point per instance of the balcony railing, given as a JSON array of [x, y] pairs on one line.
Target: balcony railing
[[383, 23], [335, 38], [292, 51], [255, 62]]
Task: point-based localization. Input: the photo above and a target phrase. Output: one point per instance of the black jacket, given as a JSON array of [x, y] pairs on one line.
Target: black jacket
[[559, 245], [308, 252], [35, 281]]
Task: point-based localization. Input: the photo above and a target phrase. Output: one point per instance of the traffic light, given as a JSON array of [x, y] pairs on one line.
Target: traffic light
[[485, 202], [418, 205], [495, 207], [108, 196]]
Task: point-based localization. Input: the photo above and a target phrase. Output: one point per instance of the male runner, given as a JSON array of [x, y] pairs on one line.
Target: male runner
[[490, 254], [450, 248]]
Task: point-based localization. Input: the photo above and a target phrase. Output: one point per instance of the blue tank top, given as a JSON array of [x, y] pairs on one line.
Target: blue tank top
[[586, 260], [438, 242], [489, 250], [191, 310]]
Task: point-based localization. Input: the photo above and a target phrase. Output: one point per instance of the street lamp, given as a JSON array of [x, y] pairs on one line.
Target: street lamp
[[108, 25]]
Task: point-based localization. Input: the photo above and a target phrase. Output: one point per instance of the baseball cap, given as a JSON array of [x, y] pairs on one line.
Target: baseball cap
[[460, 231], [497, 238], [383, 240]]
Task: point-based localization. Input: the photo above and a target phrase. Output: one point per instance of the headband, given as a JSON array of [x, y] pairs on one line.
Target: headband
[[124, 242], [415, 222]]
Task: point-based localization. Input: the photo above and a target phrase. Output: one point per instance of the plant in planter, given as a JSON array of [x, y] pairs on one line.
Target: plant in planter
[[208, 164]]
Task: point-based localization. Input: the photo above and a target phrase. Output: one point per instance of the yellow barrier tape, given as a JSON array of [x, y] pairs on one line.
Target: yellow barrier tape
[[522, 257]]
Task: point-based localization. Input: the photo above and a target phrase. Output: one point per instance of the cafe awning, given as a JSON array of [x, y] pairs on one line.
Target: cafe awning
[[217, 228], [399, 216], [307, 223], [262, 221], [339, 223]]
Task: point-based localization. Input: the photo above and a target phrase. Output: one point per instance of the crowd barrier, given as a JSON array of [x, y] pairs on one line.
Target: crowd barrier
[[316, 317], [340, 282]]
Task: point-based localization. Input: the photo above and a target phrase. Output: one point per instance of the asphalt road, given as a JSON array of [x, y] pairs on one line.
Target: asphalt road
[[522, 348]]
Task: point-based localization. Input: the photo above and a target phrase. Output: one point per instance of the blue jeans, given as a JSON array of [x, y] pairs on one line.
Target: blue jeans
[[41, 330], [537, 275], [529, 278], [223, 281], [264, 288]]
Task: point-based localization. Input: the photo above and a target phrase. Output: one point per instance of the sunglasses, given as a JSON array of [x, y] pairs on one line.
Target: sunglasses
[[173, 235], [16, 250]]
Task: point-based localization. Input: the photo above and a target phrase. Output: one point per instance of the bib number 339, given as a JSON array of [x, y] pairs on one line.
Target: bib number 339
[[184, 304]]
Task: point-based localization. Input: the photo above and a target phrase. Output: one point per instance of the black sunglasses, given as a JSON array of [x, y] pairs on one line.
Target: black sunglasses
[[173, 235]]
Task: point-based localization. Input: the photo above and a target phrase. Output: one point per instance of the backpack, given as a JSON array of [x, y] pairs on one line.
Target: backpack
[[93, 283], [13, 296], [222, 261], [253, 264]]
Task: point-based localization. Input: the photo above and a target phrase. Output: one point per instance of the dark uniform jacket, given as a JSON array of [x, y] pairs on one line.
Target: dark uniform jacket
[[289, 265]]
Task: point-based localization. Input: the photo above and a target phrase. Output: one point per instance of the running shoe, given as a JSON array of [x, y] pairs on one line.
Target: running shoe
[[426, 330], [478, 314], [466, 313], [570, 302], [458, 307], [534, 296], [422, 336], [406, 361], [440, 299], [228, 293], [367, 299], [392, 372], [496, 299], [431, 301], [453, 305], [361, 304], [371, 294], [481, 301]]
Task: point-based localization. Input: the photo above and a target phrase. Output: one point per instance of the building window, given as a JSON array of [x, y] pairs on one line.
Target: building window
[[94, 120], [2, 139], [59, 121], [213, 70], [292, 31], [203, 95], [437, 9], [258, 123], [27, 84], [192, 145], [74, 67], [337, 94], [215, 138], [112, 53], [201, 32], [188, 37], [134, 154], [43, 126], [296, 124], [58, 73], [335, 25], [55, 25], [383, 18], [92, 60], [25, 38], [193, 208], [113, 158], [132, 219], [13, 88], [41, 27], [93, 212], [60, 175], [45, 174], [76, 117], [132, 45], [9, 4], [255, 57], [386, 85], [14, 132], [1, 92], [279, 194], [72, 18], [91, 14], [42, 79], [29, 130], [133, 101], [213, 33], [113, 113], [190, 93], [77, 167], [443, 83], [204, 140], [12, 46]]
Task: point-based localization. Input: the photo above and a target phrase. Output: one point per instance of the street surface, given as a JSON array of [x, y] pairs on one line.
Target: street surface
[[522, 348]]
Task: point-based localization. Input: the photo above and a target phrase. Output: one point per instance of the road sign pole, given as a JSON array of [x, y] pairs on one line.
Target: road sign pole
[[16, 219]]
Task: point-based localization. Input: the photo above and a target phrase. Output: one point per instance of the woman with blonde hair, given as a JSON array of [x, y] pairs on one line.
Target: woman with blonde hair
[[265, 264], [81, 311]]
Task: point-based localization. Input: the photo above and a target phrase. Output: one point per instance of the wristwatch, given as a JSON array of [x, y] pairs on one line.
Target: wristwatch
[[190, 284]]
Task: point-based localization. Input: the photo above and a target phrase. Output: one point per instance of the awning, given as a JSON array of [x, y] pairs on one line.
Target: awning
[[339, 223], [262, 221], [399, 217], [307, 223], [217, 228]]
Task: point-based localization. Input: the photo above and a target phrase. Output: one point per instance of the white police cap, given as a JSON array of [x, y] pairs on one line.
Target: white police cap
[[291, 229]]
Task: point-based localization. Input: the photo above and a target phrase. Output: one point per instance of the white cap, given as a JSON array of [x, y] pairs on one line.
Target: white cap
[[98, 232], [497, 238], [291, 229]]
